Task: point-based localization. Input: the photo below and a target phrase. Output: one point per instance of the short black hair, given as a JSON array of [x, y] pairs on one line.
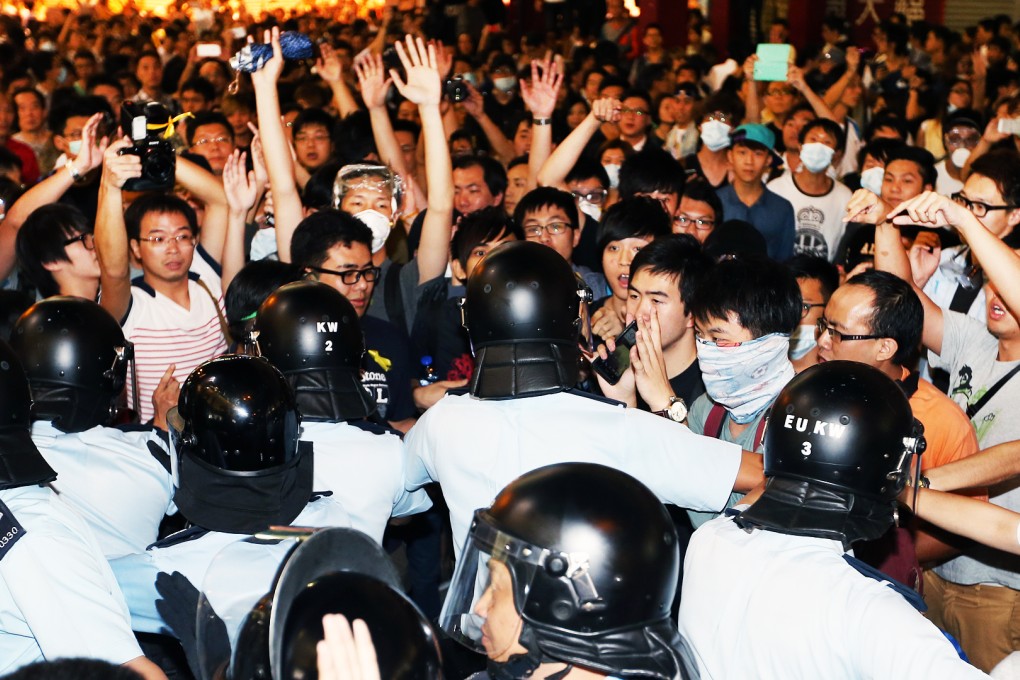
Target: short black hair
[[103, 79], [677, 255], [700, 190], [208, 118], [481, 227], [318, 191], [921, 157], [493, 172], [201, 86], [73, 669], [9, 161], [400, 125], [761, 293], [40, 241], [638, 217], [544, 197], [804, 266], [879, 149], [255, 282], [78, 106], [320, 231], [886, 120], [830, 126], [651, 170], [587, 168], [312, 117], [1002, 166], [898, 312], [161, 204]]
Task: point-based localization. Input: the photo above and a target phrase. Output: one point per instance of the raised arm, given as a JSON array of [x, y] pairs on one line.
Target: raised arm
[[329, 68], [204, 186], [241, 191], [286, 200], [374, 86], [795, 76], [539, 96], [111, 234], [752, 103], [555, 170], [424, 87], [50, 190]]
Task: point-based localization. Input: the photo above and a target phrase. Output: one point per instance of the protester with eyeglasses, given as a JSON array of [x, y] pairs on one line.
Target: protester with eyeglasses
[[961, 134], [211, 137], [817, 279], [56, 252], [699, 212]]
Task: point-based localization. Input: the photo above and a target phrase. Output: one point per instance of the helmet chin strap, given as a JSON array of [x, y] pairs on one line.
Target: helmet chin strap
[[524, 665]]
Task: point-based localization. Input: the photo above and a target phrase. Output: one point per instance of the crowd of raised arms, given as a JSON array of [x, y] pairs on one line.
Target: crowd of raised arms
[[658, 441]]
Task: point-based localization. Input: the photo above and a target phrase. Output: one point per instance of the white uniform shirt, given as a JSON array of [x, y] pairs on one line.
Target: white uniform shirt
[[137, 573], [58, 597], [766, 605], [165, 333], [475, 447], [112, 480], [365, 472]]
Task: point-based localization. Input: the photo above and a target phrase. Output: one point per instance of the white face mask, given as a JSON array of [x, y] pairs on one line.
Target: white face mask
[[380, 226], [802, 341], [715, 135], [590, 209], [504, 84], [74, 147], [871, 179], [960, 156], [950, 108], [816, 156], [613, 170]]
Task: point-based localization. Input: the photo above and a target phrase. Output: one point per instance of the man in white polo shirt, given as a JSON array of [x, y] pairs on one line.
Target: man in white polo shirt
[[173, 313]]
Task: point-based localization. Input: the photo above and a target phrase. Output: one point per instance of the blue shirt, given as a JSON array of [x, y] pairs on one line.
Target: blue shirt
[[771, 214]]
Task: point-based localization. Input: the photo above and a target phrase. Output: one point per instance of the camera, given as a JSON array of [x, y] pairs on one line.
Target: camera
[[159, 162], [456, 89]]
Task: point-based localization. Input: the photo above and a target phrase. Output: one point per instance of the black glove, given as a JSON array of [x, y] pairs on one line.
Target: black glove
[[179, 609]]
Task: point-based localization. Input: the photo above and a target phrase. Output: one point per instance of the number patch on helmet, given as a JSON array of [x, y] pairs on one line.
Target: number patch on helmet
[[805, 449], [329, 345]]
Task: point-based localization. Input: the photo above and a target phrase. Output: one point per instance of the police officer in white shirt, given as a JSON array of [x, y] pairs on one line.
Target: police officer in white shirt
[[58, 597], [523, 317], [238, 469], [312, 334], [779, 577], [117, 479]]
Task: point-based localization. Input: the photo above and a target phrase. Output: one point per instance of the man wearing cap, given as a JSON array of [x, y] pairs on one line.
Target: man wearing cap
[[746, 198], [961, 131], [683, 138]]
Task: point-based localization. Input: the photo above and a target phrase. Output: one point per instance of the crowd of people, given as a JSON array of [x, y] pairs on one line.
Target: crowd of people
[[229, 243]]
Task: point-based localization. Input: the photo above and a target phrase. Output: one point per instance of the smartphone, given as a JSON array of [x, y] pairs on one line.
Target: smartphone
[[205, 50], [612, 368], [239, 32], [1009, 126]]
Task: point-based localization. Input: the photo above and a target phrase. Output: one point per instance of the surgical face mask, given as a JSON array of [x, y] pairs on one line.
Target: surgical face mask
[[746, 378], [802, 341], [960, 156], [816, 156], [380, 226], [504, 84], [871, 179], [951, 108], [715, 135], [613, 170], [263, 244], [74, 147], [590, 209], [469, 77]]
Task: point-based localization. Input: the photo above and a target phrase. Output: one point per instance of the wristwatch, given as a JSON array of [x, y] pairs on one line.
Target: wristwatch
[[676, 411]]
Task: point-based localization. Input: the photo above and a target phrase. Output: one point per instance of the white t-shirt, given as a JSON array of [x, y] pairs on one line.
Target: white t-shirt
[[819, 219], [760, 604], [475, 447], [165, 333]]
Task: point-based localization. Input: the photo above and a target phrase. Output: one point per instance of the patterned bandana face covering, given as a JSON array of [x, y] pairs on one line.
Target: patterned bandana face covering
[[745, 378]]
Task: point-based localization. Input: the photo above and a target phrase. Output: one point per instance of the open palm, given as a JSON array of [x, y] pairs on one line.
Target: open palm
[[421, 66]]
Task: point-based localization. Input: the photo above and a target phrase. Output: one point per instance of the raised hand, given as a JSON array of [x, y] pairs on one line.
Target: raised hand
[[866, 207], [258, 161], [373, 80], [795, 76], [474, 104], [346, 652], [606, 110], [423, 86], [92, 150], [328, 66], [540, 93], [649, 365], [118, 169], [241, 187], [930, 209], [267, 76], [853, 59], [444, 58]]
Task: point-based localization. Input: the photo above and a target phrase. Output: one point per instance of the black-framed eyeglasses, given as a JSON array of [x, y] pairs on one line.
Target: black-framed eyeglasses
[[349, 277], [699, 223], [805, 307], [823, 327], [593, 197], [977, 208], [87, 240], [554, 228]]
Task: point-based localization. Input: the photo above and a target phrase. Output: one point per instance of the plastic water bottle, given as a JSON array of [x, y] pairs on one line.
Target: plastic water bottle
[[428, 372]]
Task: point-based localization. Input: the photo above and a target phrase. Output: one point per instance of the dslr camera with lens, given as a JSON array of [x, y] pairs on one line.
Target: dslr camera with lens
[[146, 124]]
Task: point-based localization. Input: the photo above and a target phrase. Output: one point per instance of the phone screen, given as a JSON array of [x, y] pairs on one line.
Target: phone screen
[[209, 50], [612, 368]]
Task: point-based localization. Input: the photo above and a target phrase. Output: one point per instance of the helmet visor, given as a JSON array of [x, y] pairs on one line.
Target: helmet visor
[[463, 617]]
